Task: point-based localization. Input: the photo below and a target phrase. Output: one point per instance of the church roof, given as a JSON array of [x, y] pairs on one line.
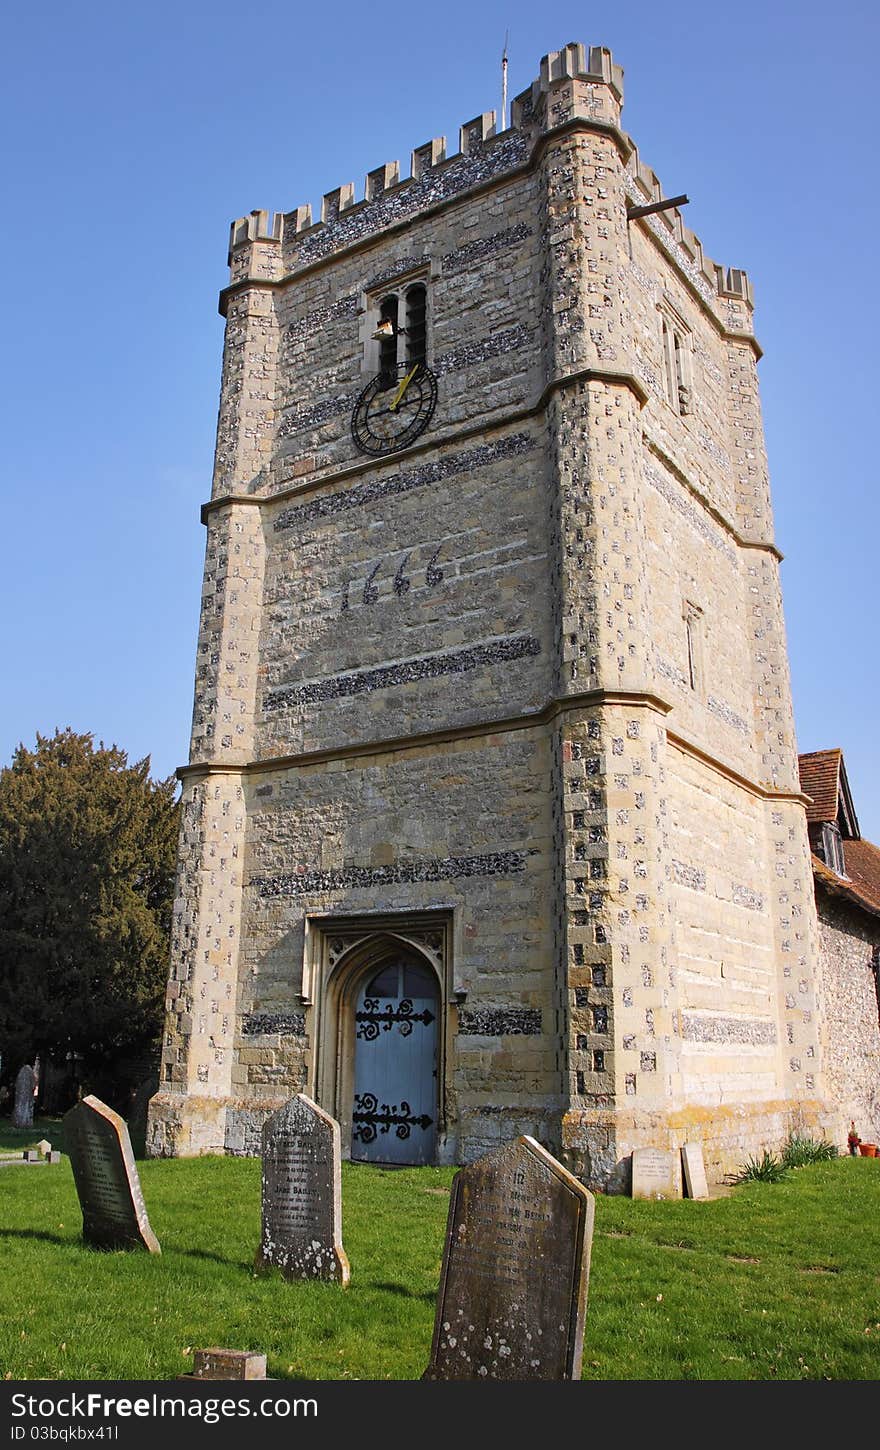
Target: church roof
[[820, 779], [863, 868], [823, 779]]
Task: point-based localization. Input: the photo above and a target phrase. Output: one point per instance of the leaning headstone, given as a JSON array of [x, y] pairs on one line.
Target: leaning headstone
[[97, 1143], [653, 1174], [228, 1364], [694, 1170], [302, 1194], [23, 1107], [516, 1269]]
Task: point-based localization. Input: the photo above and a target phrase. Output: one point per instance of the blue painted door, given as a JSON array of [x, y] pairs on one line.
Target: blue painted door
[[394, 1117]]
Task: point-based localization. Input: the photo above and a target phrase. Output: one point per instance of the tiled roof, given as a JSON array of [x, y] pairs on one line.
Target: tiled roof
[[820, 779], [863, 867], [863, 870]]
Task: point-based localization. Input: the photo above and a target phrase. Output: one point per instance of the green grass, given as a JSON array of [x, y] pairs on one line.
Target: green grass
[[774, 1281]]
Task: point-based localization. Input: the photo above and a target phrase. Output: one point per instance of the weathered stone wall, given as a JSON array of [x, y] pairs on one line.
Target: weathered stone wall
[[848, 943]]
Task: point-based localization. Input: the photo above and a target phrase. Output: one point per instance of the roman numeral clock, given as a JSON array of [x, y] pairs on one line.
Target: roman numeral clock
[[394, 408]]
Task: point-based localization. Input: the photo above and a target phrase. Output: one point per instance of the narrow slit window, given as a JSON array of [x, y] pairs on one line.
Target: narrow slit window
[[676, 349], [693, 617], [388, 345], [416, 324]]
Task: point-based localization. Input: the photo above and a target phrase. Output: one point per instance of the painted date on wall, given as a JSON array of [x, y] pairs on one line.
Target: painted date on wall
[[401, 582]]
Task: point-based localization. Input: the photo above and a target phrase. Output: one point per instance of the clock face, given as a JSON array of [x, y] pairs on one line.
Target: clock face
[[393, 410]]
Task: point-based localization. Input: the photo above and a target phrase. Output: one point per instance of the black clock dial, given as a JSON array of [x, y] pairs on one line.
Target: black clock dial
[[393, 410]]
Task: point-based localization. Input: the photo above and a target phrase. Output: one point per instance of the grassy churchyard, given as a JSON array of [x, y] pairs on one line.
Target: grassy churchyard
[[775, 1281]]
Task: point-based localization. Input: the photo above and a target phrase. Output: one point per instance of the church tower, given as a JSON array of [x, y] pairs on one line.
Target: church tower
[[492, 821]]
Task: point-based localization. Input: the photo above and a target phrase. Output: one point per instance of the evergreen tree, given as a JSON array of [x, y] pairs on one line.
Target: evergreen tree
[[87, 853]]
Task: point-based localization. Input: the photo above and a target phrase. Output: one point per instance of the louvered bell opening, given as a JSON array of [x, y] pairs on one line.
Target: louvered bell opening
[[416, 324], [388, 345]]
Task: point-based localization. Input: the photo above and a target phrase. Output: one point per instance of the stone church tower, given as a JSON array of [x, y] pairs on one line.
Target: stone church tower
[[492, 821]]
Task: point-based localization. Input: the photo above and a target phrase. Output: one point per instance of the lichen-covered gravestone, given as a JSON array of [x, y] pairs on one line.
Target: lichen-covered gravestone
[[516, 1269], [97, 1143], [302, 1194], [653, 1174], [23, 1105]]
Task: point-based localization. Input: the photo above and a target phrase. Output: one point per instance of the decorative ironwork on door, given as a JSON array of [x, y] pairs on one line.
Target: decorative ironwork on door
[[395, 1065]]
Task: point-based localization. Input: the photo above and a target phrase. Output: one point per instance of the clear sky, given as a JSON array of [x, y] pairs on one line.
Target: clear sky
[[133, 138]]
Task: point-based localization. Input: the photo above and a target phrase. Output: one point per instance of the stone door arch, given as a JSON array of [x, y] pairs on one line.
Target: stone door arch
[[350, 973]]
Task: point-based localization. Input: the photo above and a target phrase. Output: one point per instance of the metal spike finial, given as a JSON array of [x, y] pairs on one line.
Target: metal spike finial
[[504, 83]]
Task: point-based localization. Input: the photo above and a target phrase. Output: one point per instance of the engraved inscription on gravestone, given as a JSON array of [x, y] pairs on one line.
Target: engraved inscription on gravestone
[[114, 1214], [23, 1104], [302, 1194], [516, 1268], [653, 1174]]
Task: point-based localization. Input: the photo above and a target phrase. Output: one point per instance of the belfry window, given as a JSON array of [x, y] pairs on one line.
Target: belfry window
[[388, 343], [416, 323], [396, 329]]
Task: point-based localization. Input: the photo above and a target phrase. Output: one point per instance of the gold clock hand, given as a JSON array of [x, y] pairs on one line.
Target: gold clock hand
[[398, 396]]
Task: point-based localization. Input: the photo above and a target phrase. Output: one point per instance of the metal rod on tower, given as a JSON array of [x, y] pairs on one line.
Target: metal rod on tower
[[504, 84]]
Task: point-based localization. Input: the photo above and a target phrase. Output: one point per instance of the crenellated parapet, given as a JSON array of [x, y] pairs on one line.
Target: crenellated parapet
[[577, 84], [712, 280]]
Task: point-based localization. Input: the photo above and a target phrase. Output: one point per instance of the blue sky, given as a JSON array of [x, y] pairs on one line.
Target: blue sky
[[138, 135]]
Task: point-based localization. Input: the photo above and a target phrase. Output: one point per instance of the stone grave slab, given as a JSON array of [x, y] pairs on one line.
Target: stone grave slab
[[23, 1102], [516, 1267], [653, 1173], [302, 1194], [695, 1182], [106, 1177], [228, 1364]]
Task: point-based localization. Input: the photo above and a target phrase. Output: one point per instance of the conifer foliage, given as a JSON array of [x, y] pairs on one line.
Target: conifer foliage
[[87, 854]]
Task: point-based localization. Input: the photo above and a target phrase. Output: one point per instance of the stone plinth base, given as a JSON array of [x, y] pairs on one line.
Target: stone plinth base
[[596, 1145], [180, 1126]]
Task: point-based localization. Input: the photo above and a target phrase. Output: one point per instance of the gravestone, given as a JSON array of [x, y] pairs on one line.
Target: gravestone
[[97, 1143], [23, 1107], [653, 1174], [694, 1170], [516, 1269], [228, 1364], [302, 1194]]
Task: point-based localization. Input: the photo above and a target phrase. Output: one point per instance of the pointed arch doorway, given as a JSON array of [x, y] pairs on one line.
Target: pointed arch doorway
[[394, 1107], [381, 1006]]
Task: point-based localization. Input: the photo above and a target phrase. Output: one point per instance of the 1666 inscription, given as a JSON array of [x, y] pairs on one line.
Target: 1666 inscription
[[513, 1287]]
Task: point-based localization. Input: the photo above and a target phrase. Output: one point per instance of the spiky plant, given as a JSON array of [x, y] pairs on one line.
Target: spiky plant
[[766, 1169], [801, 1150]]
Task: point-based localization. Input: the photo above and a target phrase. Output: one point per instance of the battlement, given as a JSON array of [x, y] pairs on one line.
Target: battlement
[[670, 226], [577, 82]]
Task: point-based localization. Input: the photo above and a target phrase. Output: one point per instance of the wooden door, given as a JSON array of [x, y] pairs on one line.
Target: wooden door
[[394, 1117]]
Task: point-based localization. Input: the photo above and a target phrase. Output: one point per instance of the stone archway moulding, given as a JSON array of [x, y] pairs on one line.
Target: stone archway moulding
[[339, 953]]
